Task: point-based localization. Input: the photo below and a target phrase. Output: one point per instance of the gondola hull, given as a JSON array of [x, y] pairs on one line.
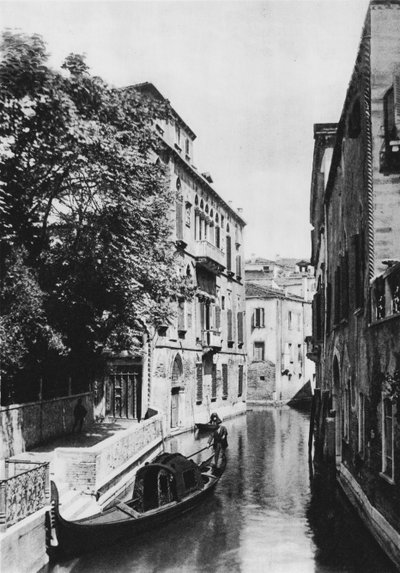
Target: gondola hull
[[206, 427], [115, 524]]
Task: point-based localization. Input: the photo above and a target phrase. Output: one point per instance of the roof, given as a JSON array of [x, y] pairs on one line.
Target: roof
[[257, 291], [151, 88], [203, 178]]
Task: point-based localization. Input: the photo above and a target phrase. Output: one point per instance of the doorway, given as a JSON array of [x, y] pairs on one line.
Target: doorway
[[176, 390], [124, 395]]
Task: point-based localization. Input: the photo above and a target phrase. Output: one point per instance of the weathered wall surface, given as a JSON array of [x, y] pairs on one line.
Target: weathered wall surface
[[23, 546], [261, 381], [385, 58], [87, 469], [24, 426]]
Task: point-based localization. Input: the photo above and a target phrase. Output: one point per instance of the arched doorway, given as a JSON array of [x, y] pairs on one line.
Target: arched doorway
[[176, 391], [337, 406]]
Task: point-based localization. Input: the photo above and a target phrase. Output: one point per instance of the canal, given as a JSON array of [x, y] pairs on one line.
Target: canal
[[267, 514]]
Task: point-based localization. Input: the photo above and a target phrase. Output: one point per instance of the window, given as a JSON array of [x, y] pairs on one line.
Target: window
[[223, 302], [299, 354], [187, 147], [258, 318], [199, 378], [290, 320], [390, 151], [217, 236], [240, 380], [188, 214], [224, 381], [259, 349], [181, 316], [178, 134], [388, 438]]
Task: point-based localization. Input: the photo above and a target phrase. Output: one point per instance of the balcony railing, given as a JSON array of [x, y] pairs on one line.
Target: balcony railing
[[210, 256], [212, 339], [23, 492]]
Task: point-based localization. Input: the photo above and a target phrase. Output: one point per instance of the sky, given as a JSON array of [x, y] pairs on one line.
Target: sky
[[249, 77]]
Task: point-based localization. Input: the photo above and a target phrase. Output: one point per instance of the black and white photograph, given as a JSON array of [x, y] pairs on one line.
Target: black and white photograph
[[199, 286]]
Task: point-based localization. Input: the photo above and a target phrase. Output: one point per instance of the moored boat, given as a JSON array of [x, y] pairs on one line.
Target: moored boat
[[206, 427], [164, 489]]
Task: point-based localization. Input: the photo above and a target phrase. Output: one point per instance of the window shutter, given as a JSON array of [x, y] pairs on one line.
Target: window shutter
[[228, 253], [240, 327], [238, 266], [240, 380], [224, 381], [263, 318], [253, 319], [217, 318], [199, 378], [230, 331], [214, 382]]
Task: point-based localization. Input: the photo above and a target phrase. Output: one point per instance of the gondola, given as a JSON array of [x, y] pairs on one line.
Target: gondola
[[164, 489], [206, 427]]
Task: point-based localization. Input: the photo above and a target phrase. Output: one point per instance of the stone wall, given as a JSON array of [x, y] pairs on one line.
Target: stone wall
[[24, 426], [87, 469], [23, 546]]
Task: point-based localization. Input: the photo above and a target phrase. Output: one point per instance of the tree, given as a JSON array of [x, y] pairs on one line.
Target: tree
[[84, 206]]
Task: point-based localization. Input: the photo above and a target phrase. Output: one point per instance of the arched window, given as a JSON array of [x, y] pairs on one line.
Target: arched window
[[177, 370], [201, 204], [196, 200]]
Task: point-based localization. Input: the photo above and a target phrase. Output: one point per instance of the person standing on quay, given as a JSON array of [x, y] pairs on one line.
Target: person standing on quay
[[79, 415]]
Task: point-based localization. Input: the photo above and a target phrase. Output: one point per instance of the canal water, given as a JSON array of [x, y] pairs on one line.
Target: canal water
[[267, 514]]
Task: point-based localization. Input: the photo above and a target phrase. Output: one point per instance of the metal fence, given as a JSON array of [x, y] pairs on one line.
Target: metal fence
[[24, 492]]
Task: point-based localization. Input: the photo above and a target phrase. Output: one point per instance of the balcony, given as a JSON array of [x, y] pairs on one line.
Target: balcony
[[312, 349], [385, 293], [211, 340], [209, 256]]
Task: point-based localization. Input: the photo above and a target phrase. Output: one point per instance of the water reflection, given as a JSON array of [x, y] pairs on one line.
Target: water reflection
[[263, 516]]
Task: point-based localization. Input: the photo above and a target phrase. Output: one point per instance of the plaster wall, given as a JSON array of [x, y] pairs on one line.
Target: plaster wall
[[385, 58]]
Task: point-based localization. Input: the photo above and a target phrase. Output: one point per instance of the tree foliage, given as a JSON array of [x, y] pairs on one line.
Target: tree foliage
[[85, 238]]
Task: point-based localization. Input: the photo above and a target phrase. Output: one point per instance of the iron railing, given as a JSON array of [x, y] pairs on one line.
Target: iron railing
[[24, 492]]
